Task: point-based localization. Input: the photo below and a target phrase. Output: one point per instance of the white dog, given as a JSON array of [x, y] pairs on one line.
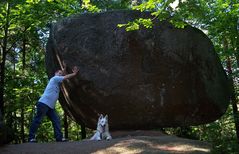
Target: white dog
[[102, 131]]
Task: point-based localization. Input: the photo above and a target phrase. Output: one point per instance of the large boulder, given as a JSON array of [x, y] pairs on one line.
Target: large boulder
[[159, 77]]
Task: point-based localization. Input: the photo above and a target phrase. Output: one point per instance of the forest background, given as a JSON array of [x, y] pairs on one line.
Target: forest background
[[24, 30]]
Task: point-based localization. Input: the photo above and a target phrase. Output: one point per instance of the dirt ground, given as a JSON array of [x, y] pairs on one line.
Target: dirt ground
[[134, 142]]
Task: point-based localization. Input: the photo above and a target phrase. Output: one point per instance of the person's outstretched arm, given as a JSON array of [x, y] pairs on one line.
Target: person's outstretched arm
[[75, 70]]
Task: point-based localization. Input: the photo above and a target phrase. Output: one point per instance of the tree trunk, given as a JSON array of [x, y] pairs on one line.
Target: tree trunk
[[65, 125], [23, 99], [235, 108], [233, 93], [83, 131], [236, 51], [3, 62], [22, 125]]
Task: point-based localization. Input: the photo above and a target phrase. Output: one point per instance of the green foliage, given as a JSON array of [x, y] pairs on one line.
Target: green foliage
[[25, 76], [160, 10], [105, 5], [178, 23], [89, 7], [135, 25], [220, 133]]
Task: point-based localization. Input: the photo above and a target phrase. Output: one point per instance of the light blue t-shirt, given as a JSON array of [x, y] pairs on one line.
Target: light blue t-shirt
[[51, 93]]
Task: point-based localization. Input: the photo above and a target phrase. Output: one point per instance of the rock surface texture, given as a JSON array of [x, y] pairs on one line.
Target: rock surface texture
[[150, 78]]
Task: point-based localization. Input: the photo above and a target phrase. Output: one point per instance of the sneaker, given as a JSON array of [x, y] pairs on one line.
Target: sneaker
[[32, 140], [62, 140]]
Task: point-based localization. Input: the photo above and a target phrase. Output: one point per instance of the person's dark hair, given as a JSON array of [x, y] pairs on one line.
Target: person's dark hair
[[57, 71]]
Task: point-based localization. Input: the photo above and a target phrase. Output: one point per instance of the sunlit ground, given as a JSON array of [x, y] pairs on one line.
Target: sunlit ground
[[134, 146], [165, 144]]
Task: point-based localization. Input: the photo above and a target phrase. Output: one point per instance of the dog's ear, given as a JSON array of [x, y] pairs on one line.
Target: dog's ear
[[106, 117], [101, 116]]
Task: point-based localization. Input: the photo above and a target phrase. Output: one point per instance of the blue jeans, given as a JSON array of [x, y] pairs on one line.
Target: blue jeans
[[44, 110]]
